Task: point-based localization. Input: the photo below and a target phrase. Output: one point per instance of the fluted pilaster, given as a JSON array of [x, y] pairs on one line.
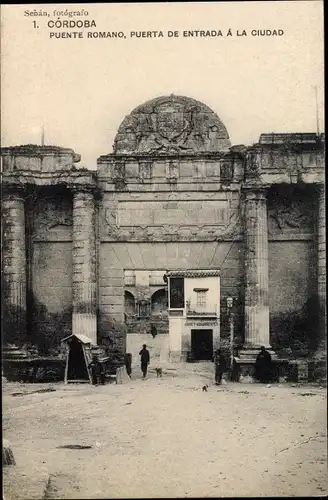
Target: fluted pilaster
[[257, 331], [321, 269], [84, 265], [14, 265]]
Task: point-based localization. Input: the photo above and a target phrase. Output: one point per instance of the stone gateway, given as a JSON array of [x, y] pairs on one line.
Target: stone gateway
[[177, 231]]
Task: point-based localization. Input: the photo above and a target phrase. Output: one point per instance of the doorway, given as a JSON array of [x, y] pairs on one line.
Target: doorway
[[76, 369], [202, 344]]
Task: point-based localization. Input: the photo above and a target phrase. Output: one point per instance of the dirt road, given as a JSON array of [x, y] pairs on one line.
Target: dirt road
[[167, 438]]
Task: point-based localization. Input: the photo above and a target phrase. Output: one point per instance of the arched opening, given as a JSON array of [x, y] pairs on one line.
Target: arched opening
[[129, 305], [159, 302]]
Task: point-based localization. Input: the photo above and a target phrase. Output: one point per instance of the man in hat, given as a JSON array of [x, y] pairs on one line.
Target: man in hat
[[220, 365], [97, 372], [144, 358], [263, 366]]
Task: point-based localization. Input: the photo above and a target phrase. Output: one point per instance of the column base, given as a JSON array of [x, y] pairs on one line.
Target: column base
[[184, 354], [244, 363], [250, 352], [175, 357], [244, 370]]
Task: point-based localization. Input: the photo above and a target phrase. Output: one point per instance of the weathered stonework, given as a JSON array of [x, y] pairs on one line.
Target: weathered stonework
[[14, 265], [171, 124], [84, 265], [322, 245], [257, 331], [321, 271], [174, 194]]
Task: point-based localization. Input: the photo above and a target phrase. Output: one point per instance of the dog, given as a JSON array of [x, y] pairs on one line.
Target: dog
[[159, 372], [204, 388]]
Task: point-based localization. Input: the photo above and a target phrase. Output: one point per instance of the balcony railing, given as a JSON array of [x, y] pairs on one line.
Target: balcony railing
[[196, 309]]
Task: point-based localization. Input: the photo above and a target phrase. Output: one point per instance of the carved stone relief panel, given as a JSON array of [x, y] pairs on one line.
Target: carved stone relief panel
[[145, 170], [187, 220], [172, 170], [287, 157], [52, 218], [290, 212]]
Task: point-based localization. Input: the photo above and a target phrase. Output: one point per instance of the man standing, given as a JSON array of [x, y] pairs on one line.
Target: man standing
[[263, 366], [96, 371], [144, 353], [220, 364]]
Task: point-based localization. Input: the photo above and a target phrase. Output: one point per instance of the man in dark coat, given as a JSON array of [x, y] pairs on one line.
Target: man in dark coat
[[97, 372], [145, 358], [220, 365], [263, 366], [153, 331]]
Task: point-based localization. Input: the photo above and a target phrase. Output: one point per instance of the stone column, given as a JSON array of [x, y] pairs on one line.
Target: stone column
[[14, 266], [321, 268], [257, 331], [84, 319]]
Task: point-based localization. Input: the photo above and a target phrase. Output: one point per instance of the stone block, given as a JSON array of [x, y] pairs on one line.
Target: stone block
[[246, 379], [114, 282], [112, 300], [121, 375], [302, 371], [131, 169], [112, 291], [7, 454]]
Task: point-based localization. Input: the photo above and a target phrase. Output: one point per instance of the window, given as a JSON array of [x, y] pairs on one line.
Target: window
[[176, 293], [201, 298]]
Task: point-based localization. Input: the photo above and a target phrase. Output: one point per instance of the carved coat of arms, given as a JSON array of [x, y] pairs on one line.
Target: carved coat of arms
[[172, 126]]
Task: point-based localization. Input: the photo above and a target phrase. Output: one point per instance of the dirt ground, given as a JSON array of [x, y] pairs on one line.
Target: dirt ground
[[165, 438]]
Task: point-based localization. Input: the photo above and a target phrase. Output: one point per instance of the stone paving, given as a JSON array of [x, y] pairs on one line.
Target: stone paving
[[166, 438]]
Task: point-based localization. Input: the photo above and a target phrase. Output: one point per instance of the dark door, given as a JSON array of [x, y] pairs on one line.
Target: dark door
[[77, 369], [202, 344]]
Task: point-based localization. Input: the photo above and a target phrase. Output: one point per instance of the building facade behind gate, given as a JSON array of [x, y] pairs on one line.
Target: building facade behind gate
[[94, 252]]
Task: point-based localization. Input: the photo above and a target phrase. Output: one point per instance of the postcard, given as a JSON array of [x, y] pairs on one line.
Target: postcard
[[164, 255]]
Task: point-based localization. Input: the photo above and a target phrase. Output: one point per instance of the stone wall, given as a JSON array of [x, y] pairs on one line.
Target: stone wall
[[50, 314], [158, 349], [173, 194], [292, 270], [52, 293]]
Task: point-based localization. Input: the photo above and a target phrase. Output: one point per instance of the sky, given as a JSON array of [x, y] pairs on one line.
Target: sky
[[81, 89]]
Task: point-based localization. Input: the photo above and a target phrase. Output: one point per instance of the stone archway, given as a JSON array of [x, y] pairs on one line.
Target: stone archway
[[129, 306], [159, 302]]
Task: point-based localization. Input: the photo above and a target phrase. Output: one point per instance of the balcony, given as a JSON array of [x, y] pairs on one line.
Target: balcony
[[197, 309]]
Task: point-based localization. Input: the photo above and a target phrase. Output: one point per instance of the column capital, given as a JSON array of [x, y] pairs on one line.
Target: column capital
[[321, 188], [254, 192], [14, 192], [145, 160], [84, 191]]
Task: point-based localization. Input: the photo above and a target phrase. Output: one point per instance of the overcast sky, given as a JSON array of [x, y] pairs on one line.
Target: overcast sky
[[81, 89]]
